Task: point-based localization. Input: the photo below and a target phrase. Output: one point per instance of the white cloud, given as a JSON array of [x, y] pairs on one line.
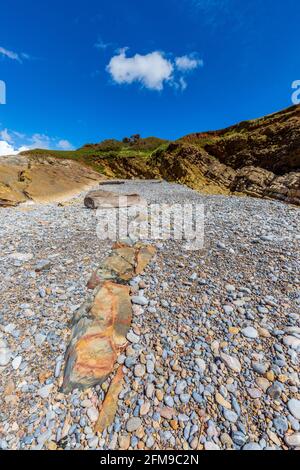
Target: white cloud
[[13, 55], [8, 149], [39, 141], [5, 135], [64, 145], [151, 70], [187, 63]]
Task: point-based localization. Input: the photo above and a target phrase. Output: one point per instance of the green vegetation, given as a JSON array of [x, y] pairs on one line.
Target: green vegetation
[[95, 155]]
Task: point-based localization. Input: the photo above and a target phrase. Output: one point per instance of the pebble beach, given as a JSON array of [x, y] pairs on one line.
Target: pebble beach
[[212, 360]]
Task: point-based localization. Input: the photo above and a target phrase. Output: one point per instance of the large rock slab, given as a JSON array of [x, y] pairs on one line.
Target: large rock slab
[[101, 324], [98, 335], [109, 406]]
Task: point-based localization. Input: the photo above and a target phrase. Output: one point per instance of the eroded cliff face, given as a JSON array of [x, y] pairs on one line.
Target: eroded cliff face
[[259, 158], [42, 179], [271, 142]]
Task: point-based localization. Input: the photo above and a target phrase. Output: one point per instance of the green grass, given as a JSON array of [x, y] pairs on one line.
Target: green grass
[[92, 154]]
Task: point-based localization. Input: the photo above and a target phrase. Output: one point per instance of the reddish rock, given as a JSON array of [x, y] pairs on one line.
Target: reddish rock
[[167, 412], [109, 407], [97, 338], [124, 263]]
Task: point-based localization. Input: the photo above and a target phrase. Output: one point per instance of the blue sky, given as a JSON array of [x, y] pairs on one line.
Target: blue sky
[[82, 71]]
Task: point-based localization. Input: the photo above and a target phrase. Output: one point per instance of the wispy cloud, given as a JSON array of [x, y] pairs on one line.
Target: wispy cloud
[[186, 63], [19, 57], [152, 70], [100, 44], [65, 145]]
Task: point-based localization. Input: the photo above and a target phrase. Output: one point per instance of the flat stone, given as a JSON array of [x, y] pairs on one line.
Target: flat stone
[[22, 257], [139, 300], [5, 356], [93, 414], [232, 362], [228, 309], [149, 390], [294, 407], [230, 416], [139, 370], [221, 401], [254, 393], [180, 387], [133, 338], [291, 342], [145, 408], [150, 367], [39, 339], [109, 406], [260, 368], [263, 383], [281, 424], [124, 263], [201, 365], [233, 330], [42, 265], [274, 391], [185, 398], [197, 397], [252, 446], [239, 438], [167, 412], [249, 332], [16, 362], [293, 440], [133, 424], [169, 401], [124, 442]]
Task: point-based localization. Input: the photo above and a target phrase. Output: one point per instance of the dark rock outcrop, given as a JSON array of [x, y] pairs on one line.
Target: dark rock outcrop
[[259, 158]]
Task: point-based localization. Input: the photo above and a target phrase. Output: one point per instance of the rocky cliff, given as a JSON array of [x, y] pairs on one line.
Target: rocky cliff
[[257, 158]]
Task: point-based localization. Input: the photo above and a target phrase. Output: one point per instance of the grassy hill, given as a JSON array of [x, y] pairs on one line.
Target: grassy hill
[[99, 156]]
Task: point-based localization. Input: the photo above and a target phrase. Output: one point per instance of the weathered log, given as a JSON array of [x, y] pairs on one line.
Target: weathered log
[[106, 199]]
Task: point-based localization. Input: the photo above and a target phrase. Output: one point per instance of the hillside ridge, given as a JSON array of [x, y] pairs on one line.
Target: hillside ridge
[[259, 158]]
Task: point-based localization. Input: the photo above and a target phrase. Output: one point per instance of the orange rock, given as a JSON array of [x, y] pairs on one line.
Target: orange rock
[[100, 326], [124, 263], [167, 412], [174, 424], [109, 407], [43, 376], [97, 339], [221, 400], [10, 388]]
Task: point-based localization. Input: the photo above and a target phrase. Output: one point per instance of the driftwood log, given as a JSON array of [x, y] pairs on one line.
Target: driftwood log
[[106, 199]]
